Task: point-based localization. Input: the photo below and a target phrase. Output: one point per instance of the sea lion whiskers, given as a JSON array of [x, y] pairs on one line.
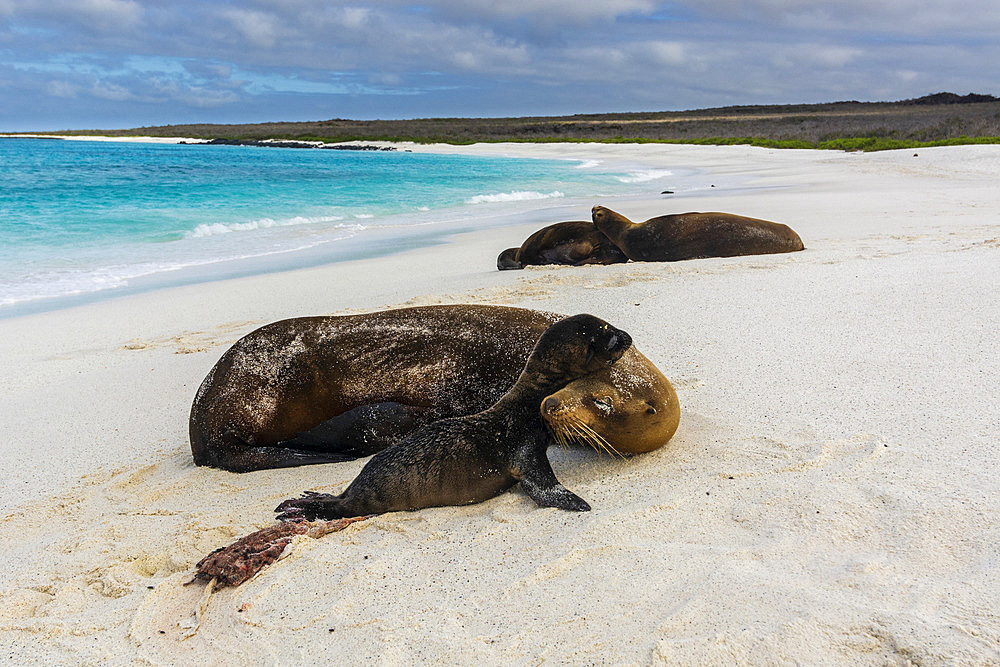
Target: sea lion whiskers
[[607, 446], [566, 430], [587, 436], [573, 429], [557, 435]]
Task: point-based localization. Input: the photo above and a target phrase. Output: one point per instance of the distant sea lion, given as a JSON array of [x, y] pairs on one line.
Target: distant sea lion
[[334, 388], [576, 242], [469, 459], [669, 238]]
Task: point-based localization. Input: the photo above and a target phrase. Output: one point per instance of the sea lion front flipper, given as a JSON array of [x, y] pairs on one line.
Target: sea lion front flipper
[[541, 485], [362, 431]]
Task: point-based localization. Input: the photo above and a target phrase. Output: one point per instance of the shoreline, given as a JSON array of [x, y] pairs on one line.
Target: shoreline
[[387, 235], [830, 495], [99, 137]]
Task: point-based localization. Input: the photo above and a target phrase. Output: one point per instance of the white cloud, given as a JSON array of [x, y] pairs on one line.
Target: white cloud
[[257, 27], [62, 89], [593, 61], [99, 15], [354, 17], [833, 56], [108, 14], [665, 53], [112, 92]]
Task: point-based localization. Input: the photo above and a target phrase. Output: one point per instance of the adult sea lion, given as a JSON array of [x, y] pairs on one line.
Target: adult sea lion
[[669, 238], [469, 459], [576, 242], [332, 388]]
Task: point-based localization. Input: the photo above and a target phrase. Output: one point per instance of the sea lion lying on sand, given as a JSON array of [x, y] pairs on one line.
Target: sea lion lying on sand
[[453, 461], [669, 238], [577, 242], [464, 460], [334, 388]]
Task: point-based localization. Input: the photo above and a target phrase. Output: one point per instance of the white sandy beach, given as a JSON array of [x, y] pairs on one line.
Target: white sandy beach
[[832, 495]]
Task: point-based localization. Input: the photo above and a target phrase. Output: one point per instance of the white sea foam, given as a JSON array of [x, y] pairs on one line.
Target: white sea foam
[[588, 164], [67, 282], [645, 175], [216, 228], [54, 283], [521, 195]]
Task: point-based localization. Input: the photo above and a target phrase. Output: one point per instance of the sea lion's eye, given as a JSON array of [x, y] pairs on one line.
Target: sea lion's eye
[[651, 410], [603, 402]]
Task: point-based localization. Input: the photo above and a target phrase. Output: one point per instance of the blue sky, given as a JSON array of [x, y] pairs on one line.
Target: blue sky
[[101, 64]]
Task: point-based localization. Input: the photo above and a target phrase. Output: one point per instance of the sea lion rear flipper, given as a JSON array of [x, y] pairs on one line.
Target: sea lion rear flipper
[[310, 506], [363, 431], [541, 485]]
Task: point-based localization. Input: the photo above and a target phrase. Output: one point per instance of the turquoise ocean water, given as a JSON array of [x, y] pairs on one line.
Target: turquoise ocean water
[[81, 220]]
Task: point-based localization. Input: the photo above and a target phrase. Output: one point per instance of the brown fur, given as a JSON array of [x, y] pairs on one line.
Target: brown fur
[[576, 242], [669, 238]]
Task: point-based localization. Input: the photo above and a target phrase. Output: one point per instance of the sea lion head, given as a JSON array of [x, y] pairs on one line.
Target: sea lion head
[[576, 346], [601, 214], [630, 408], [508, 260], [610, 223]]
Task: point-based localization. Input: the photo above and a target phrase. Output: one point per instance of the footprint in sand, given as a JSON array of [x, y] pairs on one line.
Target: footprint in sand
[[191, 342]]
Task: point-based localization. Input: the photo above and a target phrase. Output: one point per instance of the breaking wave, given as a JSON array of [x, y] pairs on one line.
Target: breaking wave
[[645, 175], [216, 228], [521, 195]]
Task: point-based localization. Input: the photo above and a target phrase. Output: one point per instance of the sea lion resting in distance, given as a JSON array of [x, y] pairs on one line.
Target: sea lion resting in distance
[[454, 461], [669, 238], [334, 388], [577, 242]]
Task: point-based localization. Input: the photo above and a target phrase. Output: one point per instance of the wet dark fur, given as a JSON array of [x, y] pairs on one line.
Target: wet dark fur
[[462, 460], [669, 238], [576, 242]]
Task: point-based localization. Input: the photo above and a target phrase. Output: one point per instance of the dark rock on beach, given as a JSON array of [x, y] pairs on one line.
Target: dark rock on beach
[[294, 144]]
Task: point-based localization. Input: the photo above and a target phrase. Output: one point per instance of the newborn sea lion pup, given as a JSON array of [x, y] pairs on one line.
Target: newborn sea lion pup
[[576, 242], [463, 460], [669, 238]]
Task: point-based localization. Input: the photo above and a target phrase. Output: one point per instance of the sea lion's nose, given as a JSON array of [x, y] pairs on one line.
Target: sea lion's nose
[[620, 340], [550, 404]]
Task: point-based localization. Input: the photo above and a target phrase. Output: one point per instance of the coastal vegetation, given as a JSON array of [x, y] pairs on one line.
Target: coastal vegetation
[[932, 120]]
